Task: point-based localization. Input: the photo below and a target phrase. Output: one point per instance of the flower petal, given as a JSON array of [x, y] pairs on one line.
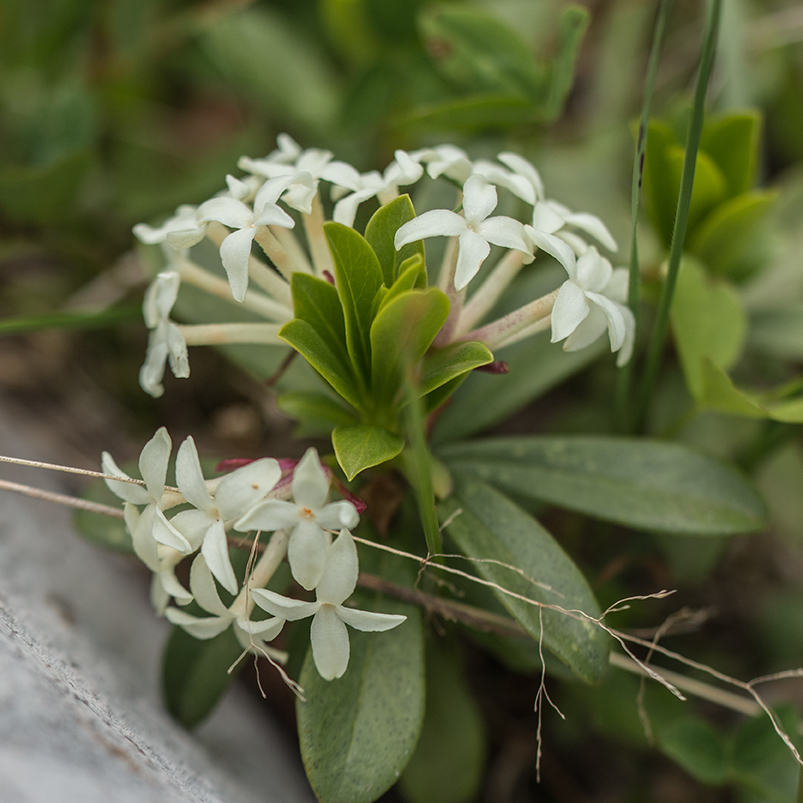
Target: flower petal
[[153, 369], [245, 487], [555, 247], [306, 553], [614, 317], [339, 577], [504, 231], [337, 515], [192, 524], [200, 628], [346, 208], [216, 551], [265, 630], [177, 350], [310, 483], [235, 251], [330, 643], [202, 585], [270, 515], [592, 225], [588, 330], [436, 223], [479, 199], [284, 607], [626, 352], [593, 271], [153, 462], [165, 533], [571, 308], [368, 620], [472, 250], [190, 478], [228, 211], [127, 491]]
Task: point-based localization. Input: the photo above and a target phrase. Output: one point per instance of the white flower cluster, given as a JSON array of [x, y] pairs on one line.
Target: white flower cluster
[[592, 300], [253, 497]]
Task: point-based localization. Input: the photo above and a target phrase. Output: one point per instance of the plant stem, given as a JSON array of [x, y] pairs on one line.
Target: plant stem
[[213, 334]]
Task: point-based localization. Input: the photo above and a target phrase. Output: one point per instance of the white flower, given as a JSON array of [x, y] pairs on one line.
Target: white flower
[[475, 232], [166, 341], [235, 494], [328, 634], [249, 634], [308, 516], [551, 217], [164, 583], [402, 170], [528, 188], [445, 160], [151, 527], [182, 230], [236, 247], [592, 300]]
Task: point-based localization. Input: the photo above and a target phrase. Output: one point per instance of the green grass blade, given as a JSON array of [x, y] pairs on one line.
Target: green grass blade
[[684, 201], [69, 320]]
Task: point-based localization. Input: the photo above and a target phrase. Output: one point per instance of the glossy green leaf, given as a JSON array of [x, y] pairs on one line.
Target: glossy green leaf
[[412, 276], [317, 302], [535, 366], [195, 673], [708, 321], [381, 230], [358, 276], [443, 365], [317, 413], [362, 446], [492, 528], [357, 733], [319, 354], [651, 485], [725, 239], [447, 764], [400, 335], [733, 142], [482, 53]]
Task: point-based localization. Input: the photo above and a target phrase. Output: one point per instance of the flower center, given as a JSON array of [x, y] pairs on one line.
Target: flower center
[[306, 513]]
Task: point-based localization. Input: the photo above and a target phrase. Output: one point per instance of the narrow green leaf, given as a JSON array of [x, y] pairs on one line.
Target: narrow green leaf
[[358, 276], [443, 365], [659, 178], [362, 446], [401, 333], [708, 321], [448, 761], [651, 485], [574, 21], [492, 529], [69, 320], [357, 733], [318, 353], [317, 302], [381, 230], [710, 185], [195, 673], [733, 142], [317, 413]]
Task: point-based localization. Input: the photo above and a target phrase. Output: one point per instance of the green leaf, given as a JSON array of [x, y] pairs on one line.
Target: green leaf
[[492, 528], [444, 365], [401, 333], [708, 321], [710, 187], [651, 485], [573, 24], [733, 142], [448, 761], [535, 366], [195, 673], [477, 112], [357, 733], [317, 302], [317, 413], [482, 53], [362, 446], [412, 276], [381, 230], [318, 353], [726, 239], [699, 747]]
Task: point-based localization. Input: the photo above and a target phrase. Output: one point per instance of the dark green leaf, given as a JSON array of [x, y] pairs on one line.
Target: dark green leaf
[[733, 142], [317, 352], [317, 302], [660, 182], [357, 733], [644, 484], [381, 230], [492, 528], [195, 673], [358, 276], [447, 764], [699, 747], [362, 446]]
